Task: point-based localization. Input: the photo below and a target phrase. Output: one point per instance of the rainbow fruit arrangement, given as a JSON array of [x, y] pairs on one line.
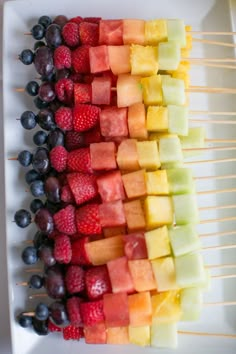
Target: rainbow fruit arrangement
[[117, 226]]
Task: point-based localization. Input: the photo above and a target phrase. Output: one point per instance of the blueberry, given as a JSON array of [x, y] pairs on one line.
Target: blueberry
[[32, 176], [22, 218], [35, 205], [37, 188], [53, 36], [36, 282], [41, 238], [55, 138], [25, 158], [40, 138], [29, 255], [32, 88], [41, 312], [41, 162], [38, 44], [45, 119], [38, 31], [26, 56], [45, 21], [24, 320], [39, 103], [40, 327], [51, 77], [28, 120]]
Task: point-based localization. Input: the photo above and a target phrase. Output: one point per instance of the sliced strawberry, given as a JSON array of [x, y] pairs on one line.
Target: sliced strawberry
[[74, 279], [97, 282], [66, 195], [70, 34], [83, 186], [82, 93], [72, 306], [62, 249], [64, 220], [53, 328], [80, 60], [92, 19], [92, 136], [85, 117], [87, 220], [71, 333], [79, 161], [76, 77], [58, 158], [88, 79], [92, 312], [64, 89], [73, 140], [89, 33], [79, 254], [76, 19]]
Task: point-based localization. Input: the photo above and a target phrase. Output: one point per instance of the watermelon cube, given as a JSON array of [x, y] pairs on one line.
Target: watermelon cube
[[155, 31], [176, 32], [119, 59], [143, 60], [137, 121], [117, 335], [134, 216], [180, 180], [134, 184], [173, 91], [185, 209], [168, 55], [98, 59], [170, 150], [158, 211], [129, 90], [140, 309], [101, 90], [127, 156], [135, 246], [113, 122], [103, 156], [111, 32], [112, 214], [120, 277], [133, 31], [139, 335], [158, 244], [148, 155], [157, 119], [166, 307], [95, 334], [190, 270], [184, 239], [164, 273], [142, 275], [152, 90], [191, 303], [178, 120], [157, 183], [114, 231], [164, 335], [119, 317], [110, 186]]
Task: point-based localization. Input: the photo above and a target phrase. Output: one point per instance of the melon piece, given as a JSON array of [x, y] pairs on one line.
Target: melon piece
[[112, 214], [157, 242], [127, 155], [134, 216], [155, 31], [142, 275], [176, 32], [206, 283], [190, 270], [101, 251], [148, 155], [129, 90], [133, 31], [170, 150], [119, 59], [119, 317], [180, 181], [135, 246], [101, 90], [185, 209], [98, 59], [95, 334], [178, 120], [152, 90], [113, 122], [157, 119], [168, 55], [110, 186], [103, 155], [117, 335], [137, 121], [158, 211], [166, 307], [143, 60], [164, 335], [114, 231], [164, 273], [184, 239], [111, 32], [195, 139], [134, 184], [139, 335], [172, 165], [157, 183], [120, 277], [191, 303], [173, 91], [140, 309]]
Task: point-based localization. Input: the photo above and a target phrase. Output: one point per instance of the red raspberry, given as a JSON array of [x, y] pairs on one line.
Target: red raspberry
[[53, 328], [64, 220], [62, 57], [92, 312], [67, 195], [58, 158], [64, 89], [70, 33], [72, 306], [76, 78], [71, 333], [62, 249], [80, 60], [64, 118], [74, 279]]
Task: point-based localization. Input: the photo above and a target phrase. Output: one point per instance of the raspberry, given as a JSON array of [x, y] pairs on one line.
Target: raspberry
[[64, 118], [64, 89], [72, 306], [62, 249], [76, 77], [67, 195], [62, 57], [58, 158], [74, 279], [53, 328], [70, 34], [71, 333], [64, 220], [80, 60]]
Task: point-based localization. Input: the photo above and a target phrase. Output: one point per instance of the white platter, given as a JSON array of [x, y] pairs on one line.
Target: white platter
[[19, 16]]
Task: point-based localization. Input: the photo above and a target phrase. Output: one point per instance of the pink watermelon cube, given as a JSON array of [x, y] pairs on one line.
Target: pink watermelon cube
[[120, 316], [101, 90], [103, 156], [110, 187], [120, 277], [112, 214], [135, 246], [111, 32], [113, 122], [98, 59]]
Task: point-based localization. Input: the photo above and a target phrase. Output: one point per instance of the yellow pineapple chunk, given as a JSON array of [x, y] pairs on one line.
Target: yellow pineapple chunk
[[139, 335], [157, 242], [158, 211], [157, 183], [148, 155], [155, 31], [157, 118], [164, 273], [152, 90], [143, 60], [166, 307]]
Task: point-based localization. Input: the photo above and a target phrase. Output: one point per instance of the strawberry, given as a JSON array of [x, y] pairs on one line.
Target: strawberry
[[83, 187], [62, 249], [62, 57], [75, 237], [92, 312], [64, 89], [64, 118], [67, 195], [86, 116], [74, 279], [76, 77], [80, 60], [71, 333], [64, 220], [88, 79], [70, 34], [97, 282], [79, 161], [92, 19], [93, 136], [53, 328], [76, 19], [58, 158], [82, 93], [79, 254], [72, 306], [87, 220], [74, 140], [89, 33]]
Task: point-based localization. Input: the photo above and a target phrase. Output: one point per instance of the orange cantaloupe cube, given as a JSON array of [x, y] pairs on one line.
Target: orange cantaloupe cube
[[119, 59], [137, 121], [134, 216], [127, 155], [133, 31], [117, 335], [140, 309], [142, 275], [135, 184]]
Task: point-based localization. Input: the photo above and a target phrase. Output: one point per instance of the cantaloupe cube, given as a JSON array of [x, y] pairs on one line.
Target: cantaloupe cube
[[164, 273], [137, 121], [157, 119], [133, 31], [148, 155], [168, 55], [190, 270], [95, 334], [176, 32], [117, 335], [185, 209], [158, 211], [135, 184], [157, 183], [129, 90], [119, 59], [166, 307], [170, 150], [152, 90], [180, 180], [157, 242], [134, 216], [140, 309], [164, 335], [139, 335], [114, 231], [155, 31], [191, 303], [142, 275], [184, 239], [143, 60], [127, 155]]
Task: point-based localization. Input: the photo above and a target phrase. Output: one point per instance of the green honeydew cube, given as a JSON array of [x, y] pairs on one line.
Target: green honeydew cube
[[164, 335], [191, 303], [180, 181], [184, 239], [173, 91], [171, 165], [190, 271], [194, 140], [178, 120], [170, 150], [176, 32], [185, 209], [168, 55]]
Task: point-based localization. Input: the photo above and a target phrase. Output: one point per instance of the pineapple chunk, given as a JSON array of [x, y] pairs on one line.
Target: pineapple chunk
[[143, 60], [139, 335], [152, 90], [158, 211], [157, 243], [166, 307], [155, 31], [157, 118], [164, 335], [164, 273], [157, 183], [148, 155]]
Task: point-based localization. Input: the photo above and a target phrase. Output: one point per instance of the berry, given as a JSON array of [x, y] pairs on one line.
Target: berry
[[85, 117], [36, 282], [31, 176], [73, 140], [35, 205], [41, 160], [26, 56], [39, 103], [62, 249], [79, 161], [55, 138], [28, 120], [97, 282], [64, 220], [58, 314], [22, 218], [41, 312], [40, 138], [29, 255], [52, 189], [83, 187], [24, 320], [53, 328], [76, 19], [53, 36], [64, 89], [76, 77], [38, 44], [92, 19], [62, 74], [32, 88], [71, 333], [40, 327], [44, 220], [79, 254], [43, 61], [92, 312], [45, 119], [70, 33], [87, 220], [58, 158], [38, 31], [62, 57], [46, 92], [82, 93], [64, 118], [72, 306], [67, 195], [80, 60], [45, 21], [74, 279], [25, 158], [60, 20], [92, 136], [89, 33], [37, 188]]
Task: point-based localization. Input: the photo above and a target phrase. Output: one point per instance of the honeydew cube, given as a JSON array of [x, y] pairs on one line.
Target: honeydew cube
[[206, 283], [133, 31], [152, 90], [185, 209], [139, 335], [157, 182], [157, 118], [168, 55], [166, 307], [176, 32], [155, 31], [190, 270], [180, 180], [157, 243], [129, 90], [143, 60], [184, 239], [170, 150], [164, 273], [178, 120], [164, 335], [191, 303], [171, 165], [148, 155], [173, 91], [194, 139], [158, 211]]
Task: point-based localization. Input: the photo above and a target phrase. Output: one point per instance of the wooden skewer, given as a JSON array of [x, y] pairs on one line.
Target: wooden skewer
[[209, 221], [206, 41], [213, 60], [220, 247], [212, 148], [212, 65], [209, 121], [208, 334], [226, 276], [223, 303], [210, 161], [215, 177], [212, 33], [217, 191], [35, 270], [218, 207], [220, 140], [213, 113], [206, 89], [217, 234], [33, 296], [221, 266]]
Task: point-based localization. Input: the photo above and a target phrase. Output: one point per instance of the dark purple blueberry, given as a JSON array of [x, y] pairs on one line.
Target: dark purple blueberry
[[41, 312], [36, 281], [53, 36], [45, 119], [45, 21], [40, 138], [32, 176], [28, 120], [32, 88], [52, 207], [43, 61], [38, 44], [37, 189], [26, 56], [60, 20], [52, 189], [29, 255], [58, 314], [24, 321], [46, 255], [35, 205], [46, 92], [38, 31], [40, 238], [44, 220], [55, 138], [25, 158], [39, 103], [41, 161], [22, 218], [40, 327]]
